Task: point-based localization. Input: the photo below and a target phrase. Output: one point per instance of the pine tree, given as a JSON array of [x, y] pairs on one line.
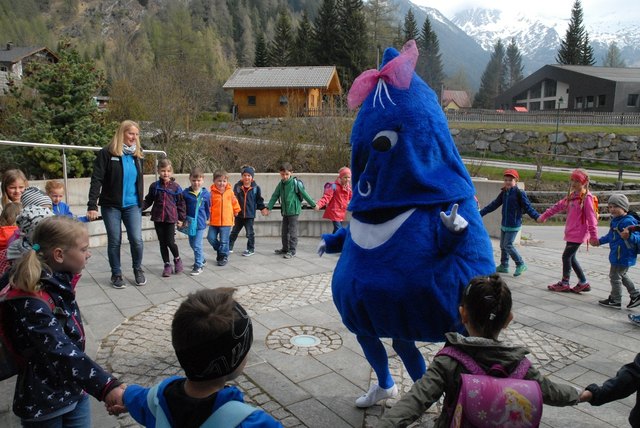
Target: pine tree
[[325, 31], [613, 58], [410, 27], [575, 48], [353, 40], [262, 57], [302, 49], [380, 17], [587, 52], [493, 79], [429, 65], [281, 48], [514, 64]]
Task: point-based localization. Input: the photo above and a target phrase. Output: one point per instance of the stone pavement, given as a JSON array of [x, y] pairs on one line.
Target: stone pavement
[[315, 382]]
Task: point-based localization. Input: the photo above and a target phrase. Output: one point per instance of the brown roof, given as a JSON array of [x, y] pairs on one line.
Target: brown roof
[[16, 53], [281, 77], [461, 98]]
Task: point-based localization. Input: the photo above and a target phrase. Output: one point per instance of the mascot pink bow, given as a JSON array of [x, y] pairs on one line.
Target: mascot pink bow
[[397, 72]]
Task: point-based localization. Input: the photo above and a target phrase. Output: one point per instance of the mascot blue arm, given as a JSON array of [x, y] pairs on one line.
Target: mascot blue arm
[[404, 264]]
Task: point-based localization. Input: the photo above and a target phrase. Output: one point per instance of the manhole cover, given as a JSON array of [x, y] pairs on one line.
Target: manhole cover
[[303, 340]]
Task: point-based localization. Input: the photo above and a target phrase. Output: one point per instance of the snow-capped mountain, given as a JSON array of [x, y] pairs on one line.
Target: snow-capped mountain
[[539, 40]]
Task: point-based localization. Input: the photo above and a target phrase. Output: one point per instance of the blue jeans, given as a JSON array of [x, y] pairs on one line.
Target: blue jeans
[[337, 225], [507, 249], [218, 237], [80, 417], [247, 223], [196, 245], [113, 218]]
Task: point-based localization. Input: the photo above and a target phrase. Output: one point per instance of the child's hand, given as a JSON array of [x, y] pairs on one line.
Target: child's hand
[[540, 220], [585, 396], [316, 208], [92, 215], [594, 242], [266, 213], [113, 401], [625, 233], [179, 223]]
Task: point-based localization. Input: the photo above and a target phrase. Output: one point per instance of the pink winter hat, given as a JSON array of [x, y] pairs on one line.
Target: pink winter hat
[[344, 171]]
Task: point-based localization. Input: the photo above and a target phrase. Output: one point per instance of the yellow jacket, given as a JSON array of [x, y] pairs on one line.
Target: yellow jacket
[[224, 206]]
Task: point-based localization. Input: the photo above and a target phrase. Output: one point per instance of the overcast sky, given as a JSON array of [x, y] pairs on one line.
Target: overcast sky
[[593, 10]]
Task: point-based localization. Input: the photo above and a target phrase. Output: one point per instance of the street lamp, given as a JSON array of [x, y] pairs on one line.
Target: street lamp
[[555, 140]]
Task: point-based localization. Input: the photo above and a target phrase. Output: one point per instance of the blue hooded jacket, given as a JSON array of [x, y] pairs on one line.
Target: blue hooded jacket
[[513, 200], [621, 252]]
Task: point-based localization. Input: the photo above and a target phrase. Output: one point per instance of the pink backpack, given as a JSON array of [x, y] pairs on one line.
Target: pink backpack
[[498, 399]]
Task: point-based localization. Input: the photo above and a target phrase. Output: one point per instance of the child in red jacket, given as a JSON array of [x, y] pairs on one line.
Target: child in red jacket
[[336, 198]]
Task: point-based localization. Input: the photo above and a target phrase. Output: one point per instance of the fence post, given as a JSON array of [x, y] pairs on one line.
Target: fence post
[[619, 184]]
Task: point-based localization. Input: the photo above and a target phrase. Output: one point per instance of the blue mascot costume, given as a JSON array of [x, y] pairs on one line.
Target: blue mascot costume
[[416, 238]]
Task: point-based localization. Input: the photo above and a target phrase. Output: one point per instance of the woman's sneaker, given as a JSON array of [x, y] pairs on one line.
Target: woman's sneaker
[[608, 303], [585, 287], [138, 274], [559, 286], [117, 282], [634, 319]]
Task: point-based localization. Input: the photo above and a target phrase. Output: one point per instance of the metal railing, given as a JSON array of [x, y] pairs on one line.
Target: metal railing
[[550, 117], [63, 148]]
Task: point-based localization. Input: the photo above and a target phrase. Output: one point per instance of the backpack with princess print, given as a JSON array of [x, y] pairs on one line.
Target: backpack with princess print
[[497, 398]]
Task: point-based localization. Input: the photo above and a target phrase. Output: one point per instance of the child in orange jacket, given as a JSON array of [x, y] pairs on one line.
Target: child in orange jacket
[[224, 207]]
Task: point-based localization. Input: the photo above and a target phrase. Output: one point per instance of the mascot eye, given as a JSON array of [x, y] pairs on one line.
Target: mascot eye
[[385, 140]]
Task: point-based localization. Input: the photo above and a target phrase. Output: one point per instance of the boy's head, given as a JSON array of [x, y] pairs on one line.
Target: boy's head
[[196, 177], [220, 179], [247, 175], [618, 204], [34, 196], [211, 335], [55, 190], [285, 171], [10, 213], [511, 177]]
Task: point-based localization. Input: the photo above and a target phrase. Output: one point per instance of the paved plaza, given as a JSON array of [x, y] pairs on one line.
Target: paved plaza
[[314, 383]]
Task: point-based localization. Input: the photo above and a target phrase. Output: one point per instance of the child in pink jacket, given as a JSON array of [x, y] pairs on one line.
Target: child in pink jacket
[[581, 226], [336, 198]]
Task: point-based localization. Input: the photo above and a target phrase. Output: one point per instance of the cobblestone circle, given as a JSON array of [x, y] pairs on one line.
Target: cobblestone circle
[[140, 351]]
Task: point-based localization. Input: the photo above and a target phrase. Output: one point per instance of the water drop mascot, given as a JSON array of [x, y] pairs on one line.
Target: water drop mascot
[[416, 238]]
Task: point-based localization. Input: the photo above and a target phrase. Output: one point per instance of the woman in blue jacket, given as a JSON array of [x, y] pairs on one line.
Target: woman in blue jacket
[[117, 186], [513, 201]]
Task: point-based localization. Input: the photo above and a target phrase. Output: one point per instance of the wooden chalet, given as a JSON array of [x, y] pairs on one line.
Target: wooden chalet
[[283, 91], [455, 100], [14, 60]]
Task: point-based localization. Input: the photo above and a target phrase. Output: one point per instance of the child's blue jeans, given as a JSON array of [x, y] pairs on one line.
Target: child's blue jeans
[[196, 245], [218, 237], [507, 249]]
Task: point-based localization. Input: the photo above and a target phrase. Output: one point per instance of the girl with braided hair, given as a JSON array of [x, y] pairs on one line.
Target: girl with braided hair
[[581, 226], [485, 311]]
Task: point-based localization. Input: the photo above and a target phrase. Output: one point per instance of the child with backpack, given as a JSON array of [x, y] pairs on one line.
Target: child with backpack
[[291, 192], [336, 198], [198, 202], [249, 195], [623, 251], [211, 334], [581, 226], [42, 324], [459, 370], [513, 201], [168, 210]]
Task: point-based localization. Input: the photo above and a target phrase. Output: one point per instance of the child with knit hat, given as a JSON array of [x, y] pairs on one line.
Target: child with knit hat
[[336, 198], [581, 225], [249, 195], [623, 250], [211, 334], [513, 201]]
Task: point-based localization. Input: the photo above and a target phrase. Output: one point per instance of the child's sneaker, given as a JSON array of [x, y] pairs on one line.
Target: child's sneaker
[[280, 251], [223, 261], [635, 301], [559, 286], [166, 272], [288, 255], [248, 253], [582, 287], [634, 319], [196, 270], [178, 265], [520, 269], [502, 269], [608, 303]]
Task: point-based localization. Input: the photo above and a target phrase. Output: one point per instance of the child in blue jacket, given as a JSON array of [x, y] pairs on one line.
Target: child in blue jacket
[[513, 201], [211, 335], [198, 201], [249, 195], [623, 251]]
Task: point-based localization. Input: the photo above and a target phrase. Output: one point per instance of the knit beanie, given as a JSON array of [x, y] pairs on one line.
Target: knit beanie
[[34, 196], [248, 170], [27, 221], [344, 171], [619, 200]]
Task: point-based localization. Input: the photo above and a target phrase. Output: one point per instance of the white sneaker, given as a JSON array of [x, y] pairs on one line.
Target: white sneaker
[[375, 394]]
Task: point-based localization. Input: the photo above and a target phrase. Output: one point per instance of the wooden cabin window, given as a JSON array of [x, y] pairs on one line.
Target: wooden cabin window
[[3, 68], [283, 100], [251, 100]]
